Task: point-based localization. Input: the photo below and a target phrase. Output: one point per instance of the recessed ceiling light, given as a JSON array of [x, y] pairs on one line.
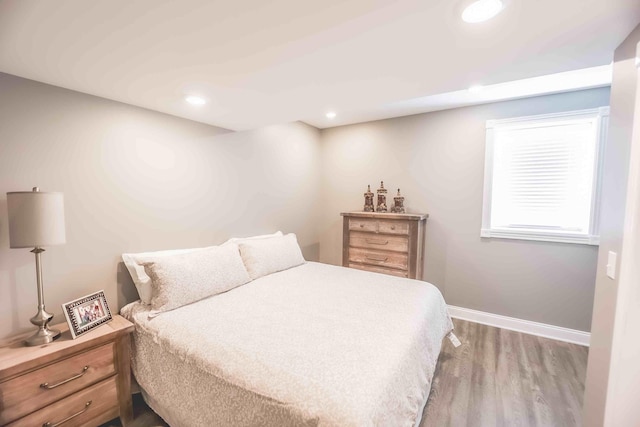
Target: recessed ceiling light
[[481, 10], [331, 115], [476, 88], [195, 100]]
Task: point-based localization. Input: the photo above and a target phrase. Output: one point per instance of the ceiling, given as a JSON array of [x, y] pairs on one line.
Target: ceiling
[[261, 62]]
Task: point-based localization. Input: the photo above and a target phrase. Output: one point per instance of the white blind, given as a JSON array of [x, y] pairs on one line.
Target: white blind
[[543, 175]]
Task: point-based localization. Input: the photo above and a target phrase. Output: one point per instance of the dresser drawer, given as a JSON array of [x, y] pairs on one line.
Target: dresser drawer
[[89, 407], [393, 227], [388, 243], [379, 226], [36, 389], [383, 270], [380, 258], [370, 225]]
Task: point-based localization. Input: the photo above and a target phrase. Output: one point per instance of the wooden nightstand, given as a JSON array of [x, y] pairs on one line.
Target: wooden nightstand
[[81, 382]]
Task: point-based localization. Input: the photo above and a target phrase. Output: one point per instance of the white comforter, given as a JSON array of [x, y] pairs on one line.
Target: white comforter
[[315, 345]]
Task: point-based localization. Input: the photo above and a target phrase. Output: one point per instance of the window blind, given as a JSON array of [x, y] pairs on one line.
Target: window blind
[[543, 175]]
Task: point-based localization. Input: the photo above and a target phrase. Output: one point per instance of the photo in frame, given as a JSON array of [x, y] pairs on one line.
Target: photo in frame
[[86, 313]]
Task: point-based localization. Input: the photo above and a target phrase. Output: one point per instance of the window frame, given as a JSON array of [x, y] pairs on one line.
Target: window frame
[[601, 115]]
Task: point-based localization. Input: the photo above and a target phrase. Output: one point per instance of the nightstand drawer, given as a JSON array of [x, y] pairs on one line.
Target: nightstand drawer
[[383, 270], [36, 389], [387, 243], [91, 406], [380, 258]]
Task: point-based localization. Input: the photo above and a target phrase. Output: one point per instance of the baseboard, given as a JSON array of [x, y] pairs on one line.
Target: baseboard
[[519, 325]]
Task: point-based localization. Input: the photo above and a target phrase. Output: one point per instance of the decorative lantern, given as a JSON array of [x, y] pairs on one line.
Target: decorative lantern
[[368, 200], [398, 203], [382, 198]]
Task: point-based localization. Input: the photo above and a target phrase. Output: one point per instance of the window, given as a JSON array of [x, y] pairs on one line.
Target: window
[[542, 177]]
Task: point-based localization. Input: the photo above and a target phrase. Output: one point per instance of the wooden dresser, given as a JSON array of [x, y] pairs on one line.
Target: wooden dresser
[[81, 382], [384, 243]]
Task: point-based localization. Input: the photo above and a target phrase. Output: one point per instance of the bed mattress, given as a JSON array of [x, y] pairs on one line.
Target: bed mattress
[[315, 345]]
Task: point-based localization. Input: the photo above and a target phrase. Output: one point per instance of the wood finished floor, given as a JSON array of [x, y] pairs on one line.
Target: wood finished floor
[[505, 378], [496, 378]]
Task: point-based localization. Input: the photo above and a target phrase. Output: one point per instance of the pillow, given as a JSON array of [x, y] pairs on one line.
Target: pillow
[[133, 262], [266, 256], [239, 240], [186, 278]]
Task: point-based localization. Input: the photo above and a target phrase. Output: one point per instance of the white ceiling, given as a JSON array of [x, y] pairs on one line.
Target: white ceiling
[[261, 62]]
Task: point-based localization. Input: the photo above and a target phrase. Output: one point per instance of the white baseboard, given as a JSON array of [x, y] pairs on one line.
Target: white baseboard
[[519, 325]]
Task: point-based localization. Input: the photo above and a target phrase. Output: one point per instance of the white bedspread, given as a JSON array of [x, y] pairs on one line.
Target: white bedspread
[[315, 345]]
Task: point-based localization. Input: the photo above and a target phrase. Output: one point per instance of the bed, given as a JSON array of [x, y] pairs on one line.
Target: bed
[[313, 345]]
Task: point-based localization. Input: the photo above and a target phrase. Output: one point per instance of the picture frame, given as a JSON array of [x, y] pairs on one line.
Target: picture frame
[[86, 313]]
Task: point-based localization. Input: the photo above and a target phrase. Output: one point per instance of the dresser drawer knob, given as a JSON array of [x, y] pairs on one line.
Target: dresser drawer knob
[[361, 225], [46, 386], [70, 417], [393, 227]]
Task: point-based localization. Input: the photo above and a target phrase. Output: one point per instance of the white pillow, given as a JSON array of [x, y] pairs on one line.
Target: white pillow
[[133, 262], [239, 240], [266, 256], [183, 279]]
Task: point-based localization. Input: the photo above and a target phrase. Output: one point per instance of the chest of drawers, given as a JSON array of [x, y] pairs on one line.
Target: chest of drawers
[[82, 382], [384, 243]]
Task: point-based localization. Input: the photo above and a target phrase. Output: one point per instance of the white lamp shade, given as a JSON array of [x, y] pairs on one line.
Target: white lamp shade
[[35, 219]]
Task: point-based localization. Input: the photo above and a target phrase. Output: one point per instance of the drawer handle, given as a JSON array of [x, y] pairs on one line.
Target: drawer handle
[[373, 258], [361, 225], [393, 227], [377, 242], [46, 386], [86, 407]]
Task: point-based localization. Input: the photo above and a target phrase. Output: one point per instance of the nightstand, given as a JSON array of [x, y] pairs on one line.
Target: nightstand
[[81, 382]]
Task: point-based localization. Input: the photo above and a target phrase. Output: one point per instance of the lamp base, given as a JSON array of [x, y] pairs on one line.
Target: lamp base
[[44, 335]]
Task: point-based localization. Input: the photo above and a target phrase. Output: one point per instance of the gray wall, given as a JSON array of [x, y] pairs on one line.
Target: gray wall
[[137, 180], [437, 159], [614, 189]]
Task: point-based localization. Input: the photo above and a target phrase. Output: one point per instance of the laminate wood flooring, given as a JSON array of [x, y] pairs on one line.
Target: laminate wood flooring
[[505, 378], [496, 378]]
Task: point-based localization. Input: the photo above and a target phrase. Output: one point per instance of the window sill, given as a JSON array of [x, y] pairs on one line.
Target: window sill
[[579, 239]]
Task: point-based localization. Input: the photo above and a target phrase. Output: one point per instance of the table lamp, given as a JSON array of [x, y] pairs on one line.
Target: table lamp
[[36, 219]]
